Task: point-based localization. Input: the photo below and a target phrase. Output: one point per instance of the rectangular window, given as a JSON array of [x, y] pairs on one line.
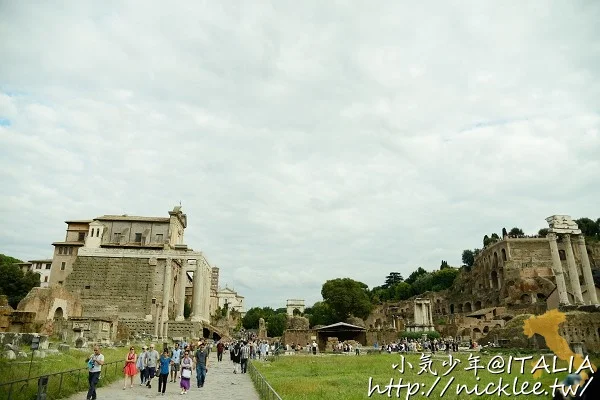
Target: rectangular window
[[38, 266], [45, 279], [117, 238], [81, 236], [48, 266], [62, 266], [60, 282], [70, 250], [60, 249], [159, 238], [87, 286], [138, 238]]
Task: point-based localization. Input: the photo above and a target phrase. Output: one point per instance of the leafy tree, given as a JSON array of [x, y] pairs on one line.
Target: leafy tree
[[495, 237], [415, 274], [423, 283], [588, 227], [516, 232], [444, 265], [250, 320], [15, 284], [402, 291], [443, 279], [276, 324], [486, 240], [392, 279], [281, 310], [346, 297], [320, 314], [543, 232], [504, 233], [468, 258]]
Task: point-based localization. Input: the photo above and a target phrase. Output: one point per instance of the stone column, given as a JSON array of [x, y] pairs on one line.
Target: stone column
[[573, 273], [430, 316], [197, 302], [587, 271], [166, 291], [181, 282], [207, 279], [157, 317], [561, 287]]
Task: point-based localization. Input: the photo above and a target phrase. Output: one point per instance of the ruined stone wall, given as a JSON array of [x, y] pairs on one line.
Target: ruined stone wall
[[121, 286], [381, 337], [298, 336]]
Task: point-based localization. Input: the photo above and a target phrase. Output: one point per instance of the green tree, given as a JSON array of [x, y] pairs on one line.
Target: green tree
[[415, 274], [320, 314], [443, 279], [15, 284], [250, 320], [543, 232], [516, 232], [347, 297], [423, 283], [402, 291], [392, 279], [276, 324], [468, 258], [444, 265], [588, 227]]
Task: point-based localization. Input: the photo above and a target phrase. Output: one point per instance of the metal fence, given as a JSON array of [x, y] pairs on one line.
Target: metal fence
[[55, 386], [265, 391]]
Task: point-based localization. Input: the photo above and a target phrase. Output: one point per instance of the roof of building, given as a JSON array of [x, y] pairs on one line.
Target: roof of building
[[131, 218], [74, 243], [44, 261], [339, 326], [481, 312], [78, 221]]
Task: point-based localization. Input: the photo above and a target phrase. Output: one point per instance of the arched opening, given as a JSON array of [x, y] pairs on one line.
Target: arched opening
[[205, 333], [486, 329], [468, 307], [495, 260], [494, 279], [503, 255], [562, 255], [58, 313], [477, 305], [460, 308], [451, 308], [296, 312], [541, 296], [216, 337], [525, 299], [498, 326]]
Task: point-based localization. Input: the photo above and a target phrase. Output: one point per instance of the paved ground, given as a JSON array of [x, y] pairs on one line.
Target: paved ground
[[221, 383]]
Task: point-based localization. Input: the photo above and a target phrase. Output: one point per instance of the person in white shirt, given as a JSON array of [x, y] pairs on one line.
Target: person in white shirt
[[95, 363]]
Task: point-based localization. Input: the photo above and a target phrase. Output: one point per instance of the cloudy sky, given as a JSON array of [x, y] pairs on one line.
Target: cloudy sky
[[306, 140]]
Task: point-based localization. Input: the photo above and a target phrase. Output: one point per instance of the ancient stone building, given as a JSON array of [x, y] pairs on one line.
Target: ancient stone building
[[132, 268], [513, 276]]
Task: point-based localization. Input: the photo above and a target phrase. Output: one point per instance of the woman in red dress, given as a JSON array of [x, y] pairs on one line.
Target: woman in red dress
[[130, 369]]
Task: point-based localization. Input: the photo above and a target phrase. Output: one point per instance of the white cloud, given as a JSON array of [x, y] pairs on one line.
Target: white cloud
[[307, 141]]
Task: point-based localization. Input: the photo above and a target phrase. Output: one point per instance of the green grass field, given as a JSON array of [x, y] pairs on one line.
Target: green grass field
[[304, 377], [12, 370]]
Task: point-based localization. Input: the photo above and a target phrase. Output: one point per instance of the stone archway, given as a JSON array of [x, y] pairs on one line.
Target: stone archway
[[58, 314], [451, 308], [477, 305], [494, 279], [486, 329], [467, 307]]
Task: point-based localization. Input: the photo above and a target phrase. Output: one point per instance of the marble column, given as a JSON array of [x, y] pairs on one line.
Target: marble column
[[587, 271], [166, 291], [181, 282], [573, 272], [207, 279], [561, 287], [197, 302]]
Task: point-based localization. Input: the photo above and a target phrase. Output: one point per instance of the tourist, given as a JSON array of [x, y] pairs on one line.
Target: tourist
[[236, 357], [141, 365], [165, 361], [314, 347], [151, 363], [201, 358], [130, 367], [186, 372], [176, 358], [95, 363], [220, 348], [244, 355]]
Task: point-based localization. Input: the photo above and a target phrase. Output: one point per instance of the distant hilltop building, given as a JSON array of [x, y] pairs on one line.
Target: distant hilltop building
[[40, 267], [133, 269], [231, 299]]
